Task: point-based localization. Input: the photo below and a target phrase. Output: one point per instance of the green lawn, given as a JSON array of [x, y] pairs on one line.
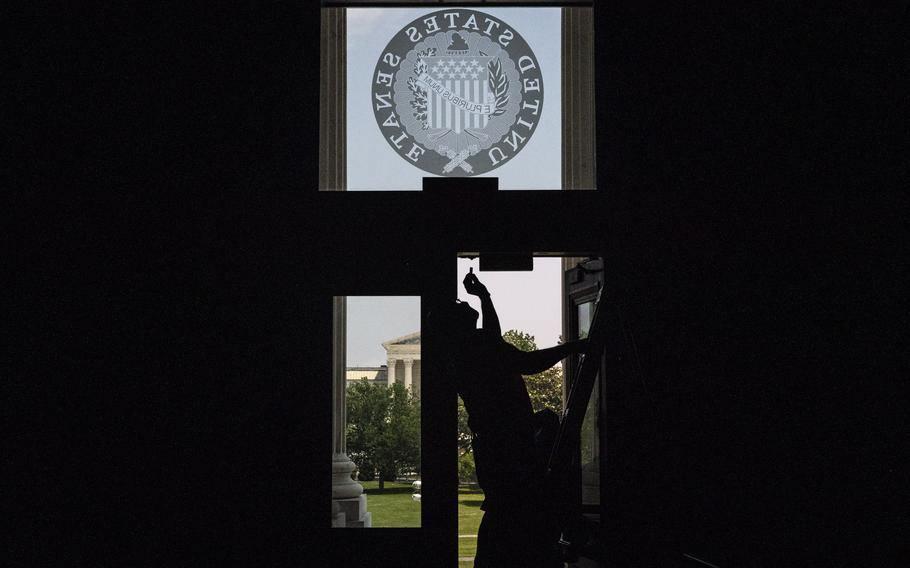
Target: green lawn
[[393, 507], [469, 515]]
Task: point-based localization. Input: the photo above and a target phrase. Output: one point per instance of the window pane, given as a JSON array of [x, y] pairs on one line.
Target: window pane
[[456, 92], [453, 92], [395, 108], [590, 436], [529, 309], [382, 406], [585, 312]]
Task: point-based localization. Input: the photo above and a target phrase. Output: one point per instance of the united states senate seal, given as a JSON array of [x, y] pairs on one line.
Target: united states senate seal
[[457, 92]]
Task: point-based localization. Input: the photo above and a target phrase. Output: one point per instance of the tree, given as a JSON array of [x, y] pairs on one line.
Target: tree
[[464, 432], [544, 389], [466, 469], [383, 431]]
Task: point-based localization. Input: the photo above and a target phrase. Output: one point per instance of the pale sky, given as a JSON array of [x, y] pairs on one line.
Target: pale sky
[[527, 301], [372, 164], [374, 319]]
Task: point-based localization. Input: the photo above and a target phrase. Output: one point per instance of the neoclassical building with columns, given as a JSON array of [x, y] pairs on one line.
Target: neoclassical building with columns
[[403, 365], [403, 361]]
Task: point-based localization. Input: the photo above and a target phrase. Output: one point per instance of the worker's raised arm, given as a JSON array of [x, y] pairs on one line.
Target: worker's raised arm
[[490, 320], [533, 362]]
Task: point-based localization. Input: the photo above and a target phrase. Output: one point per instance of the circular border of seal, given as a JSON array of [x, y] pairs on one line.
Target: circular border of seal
[[519, 105]]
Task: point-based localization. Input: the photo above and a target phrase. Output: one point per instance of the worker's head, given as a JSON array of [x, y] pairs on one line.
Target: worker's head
[[454, 319]]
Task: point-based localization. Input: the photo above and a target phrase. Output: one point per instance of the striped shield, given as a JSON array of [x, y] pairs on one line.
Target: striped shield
[[463, 88]]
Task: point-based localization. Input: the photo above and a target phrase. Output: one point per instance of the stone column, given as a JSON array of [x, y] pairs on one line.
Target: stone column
[[333, 100], [349, 504], [391, 377], [578, 120], [408, 378]]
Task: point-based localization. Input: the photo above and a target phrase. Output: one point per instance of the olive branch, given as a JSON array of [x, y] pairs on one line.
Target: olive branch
[[499, 85], [419, 102]]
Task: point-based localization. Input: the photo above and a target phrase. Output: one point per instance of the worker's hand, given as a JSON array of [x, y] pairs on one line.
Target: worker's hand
[[473, 286]]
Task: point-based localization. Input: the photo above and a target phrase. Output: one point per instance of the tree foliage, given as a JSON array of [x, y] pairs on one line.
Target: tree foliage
[[383, 430], [464, 432], [467, 471]]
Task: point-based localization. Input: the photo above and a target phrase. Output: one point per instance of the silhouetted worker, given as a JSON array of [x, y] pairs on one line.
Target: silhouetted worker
[[511, 444]]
